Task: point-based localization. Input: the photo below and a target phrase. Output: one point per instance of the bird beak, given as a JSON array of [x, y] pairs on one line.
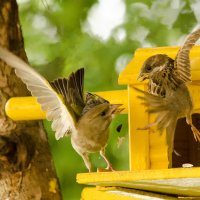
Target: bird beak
[[114, 109], [142, 76]]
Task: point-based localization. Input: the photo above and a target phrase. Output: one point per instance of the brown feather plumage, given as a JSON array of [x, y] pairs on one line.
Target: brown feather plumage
[[64, 101], [168, 95]]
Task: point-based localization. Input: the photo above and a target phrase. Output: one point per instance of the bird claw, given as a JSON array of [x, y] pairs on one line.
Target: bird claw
[[146, 128], [176, 153], [107, 169], [149, 127], [196, 133]]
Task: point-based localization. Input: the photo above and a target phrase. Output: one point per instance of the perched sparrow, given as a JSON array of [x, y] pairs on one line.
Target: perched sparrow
[[168, 95], [85, 117]]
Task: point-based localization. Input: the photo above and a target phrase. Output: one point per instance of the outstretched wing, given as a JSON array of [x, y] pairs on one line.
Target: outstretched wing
[[182, 61], [49, 100], [71, 89], [163, 107], [166, 116]]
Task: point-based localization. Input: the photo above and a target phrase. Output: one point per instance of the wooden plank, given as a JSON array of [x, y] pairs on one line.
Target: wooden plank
[[178, 181], [138, 139], [116, 193]]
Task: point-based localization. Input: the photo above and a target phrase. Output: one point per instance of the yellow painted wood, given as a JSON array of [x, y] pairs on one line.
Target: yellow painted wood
[[195, 92], [147, 149], [27, 108], [178, 181], [117, 193], [24, 108], [138, 139], [94, 194], [158, 150]]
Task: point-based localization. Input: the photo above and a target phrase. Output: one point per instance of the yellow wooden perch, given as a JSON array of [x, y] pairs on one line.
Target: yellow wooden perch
[[27, 108], [147, 151]]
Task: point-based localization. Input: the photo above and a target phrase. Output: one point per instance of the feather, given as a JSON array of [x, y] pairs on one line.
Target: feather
[[92, 100], [182, 61], [71, 89], [46, 96], [164, 107]]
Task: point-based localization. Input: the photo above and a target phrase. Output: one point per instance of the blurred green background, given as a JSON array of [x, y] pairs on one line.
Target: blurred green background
[[101, 36]]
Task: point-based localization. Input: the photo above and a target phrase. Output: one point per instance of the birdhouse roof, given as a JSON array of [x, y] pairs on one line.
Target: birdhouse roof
[[131, 71]]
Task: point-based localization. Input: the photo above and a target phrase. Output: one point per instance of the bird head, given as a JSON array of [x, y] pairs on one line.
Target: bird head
[[153, 64], [101, 115]]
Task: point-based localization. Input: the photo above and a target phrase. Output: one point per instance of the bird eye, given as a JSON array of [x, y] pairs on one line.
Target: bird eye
[[103, 113], [148, 68]]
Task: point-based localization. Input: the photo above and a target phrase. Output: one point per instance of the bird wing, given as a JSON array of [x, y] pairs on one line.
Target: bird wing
[[49, 100], [167, 116], [91, 101], [182, 61], [163, 107], [71, 89]]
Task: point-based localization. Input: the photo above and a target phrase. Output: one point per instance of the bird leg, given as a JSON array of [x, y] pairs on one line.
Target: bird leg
[[195, 131], [170, 150], [103, 155], [86, 160], [149, 126]]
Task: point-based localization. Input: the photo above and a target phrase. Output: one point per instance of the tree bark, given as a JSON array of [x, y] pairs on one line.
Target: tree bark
[[26, 166]]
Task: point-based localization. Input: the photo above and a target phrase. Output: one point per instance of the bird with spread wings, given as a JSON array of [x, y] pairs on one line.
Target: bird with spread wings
[[168, 94], [84, 116]]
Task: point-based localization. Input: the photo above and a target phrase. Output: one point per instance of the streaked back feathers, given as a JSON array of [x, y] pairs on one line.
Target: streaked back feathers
[[166, 74]]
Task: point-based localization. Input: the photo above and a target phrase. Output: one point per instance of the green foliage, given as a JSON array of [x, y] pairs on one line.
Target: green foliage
[[57, 43]]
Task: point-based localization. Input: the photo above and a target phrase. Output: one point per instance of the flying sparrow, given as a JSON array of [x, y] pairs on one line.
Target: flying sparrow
[[83, 116], [168, 94]]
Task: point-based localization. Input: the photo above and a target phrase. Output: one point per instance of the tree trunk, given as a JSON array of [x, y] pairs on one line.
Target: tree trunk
[[26, 166]]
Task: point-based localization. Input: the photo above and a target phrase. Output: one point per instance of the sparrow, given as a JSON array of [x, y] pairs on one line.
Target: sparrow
[[83, 116], [167, 93]]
